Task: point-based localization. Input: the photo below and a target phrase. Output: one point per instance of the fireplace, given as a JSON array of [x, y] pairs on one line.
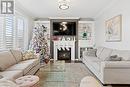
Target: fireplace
[[64, 50], [64, 54]]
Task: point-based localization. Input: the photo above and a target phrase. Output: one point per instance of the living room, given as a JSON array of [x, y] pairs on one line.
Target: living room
[[64, 43]]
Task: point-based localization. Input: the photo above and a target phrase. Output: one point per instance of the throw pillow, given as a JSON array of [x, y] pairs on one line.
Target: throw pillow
[[17, 54], [117, 59], [91, 52], [114, 58], [29, 55]]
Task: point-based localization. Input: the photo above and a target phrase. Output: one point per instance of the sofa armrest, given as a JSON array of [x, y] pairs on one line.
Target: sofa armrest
[[116, 64]]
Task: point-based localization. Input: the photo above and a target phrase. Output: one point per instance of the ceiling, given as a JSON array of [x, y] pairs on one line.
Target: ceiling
[[49, 8]]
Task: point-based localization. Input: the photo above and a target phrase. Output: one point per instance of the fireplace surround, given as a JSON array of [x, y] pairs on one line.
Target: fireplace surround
[[67, 48]]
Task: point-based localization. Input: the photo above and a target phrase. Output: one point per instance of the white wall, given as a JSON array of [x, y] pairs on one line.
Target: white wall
[[121, 7]]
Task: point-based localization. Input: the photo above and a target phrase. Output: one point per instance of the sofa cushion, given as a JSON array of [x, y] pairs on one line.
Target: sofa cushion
[[24, 65], [11, 75], [17, 55], [95, 63], [90, 58], [6, 60], [125, 54], [96, 59], [105, 53], [99, 50]]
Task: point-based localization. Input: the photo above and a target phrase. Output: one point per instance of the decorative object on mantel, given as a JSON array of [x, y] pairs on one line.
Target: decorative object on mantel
[[68, 39], [63, 38], [39, 42], [55, 38], [113, 29]]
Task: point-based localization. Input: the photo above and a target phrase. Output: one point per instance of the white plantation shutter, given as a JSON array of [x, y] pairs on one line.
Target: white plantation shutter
[[20, 33], [12, 32], [6, 32], [1, 32], [9, 30]]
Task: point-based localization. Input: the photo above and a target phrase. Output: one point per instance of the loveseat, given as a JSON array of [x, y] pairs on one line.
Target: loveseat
[[108, 71], [12, 65]]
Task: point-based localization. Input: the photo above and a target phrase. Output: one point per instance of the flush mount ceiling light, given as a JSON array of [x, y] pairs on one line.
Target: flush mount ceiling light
[[63, 4], [64, 7]]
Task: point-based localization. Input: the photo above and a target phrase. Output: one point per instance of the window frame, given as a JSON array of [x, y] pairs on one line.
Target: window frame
[[15, 17]]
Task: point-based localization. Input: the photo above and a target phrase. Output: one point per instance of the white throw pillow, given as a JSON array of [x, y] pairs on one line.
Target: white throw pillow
[[105, 53], [17, 55], [99, 51], [6, 60]]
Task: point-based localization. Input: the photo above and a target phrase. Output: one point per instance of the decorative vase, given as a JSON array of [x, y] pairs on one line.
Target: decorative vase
[[55, 38], [85, 35]]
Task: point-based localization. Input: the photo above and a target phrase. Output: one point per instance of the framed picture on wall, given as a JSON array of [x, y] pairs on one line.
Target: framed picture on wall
[[113, 29]]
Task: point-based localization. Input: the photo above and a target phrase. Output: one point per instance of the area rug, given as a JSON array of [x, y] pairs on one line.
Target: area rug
[[56, 66], [61, 74]]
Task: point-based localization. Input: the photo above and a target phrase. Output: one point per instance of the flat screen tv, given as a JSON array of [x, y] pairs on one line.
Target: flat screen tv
[[64, 28]]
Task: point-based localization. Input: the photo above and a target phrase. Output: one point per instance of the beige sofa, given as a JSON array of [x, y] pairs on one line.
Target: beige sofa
[[109, 72], [12, 66]]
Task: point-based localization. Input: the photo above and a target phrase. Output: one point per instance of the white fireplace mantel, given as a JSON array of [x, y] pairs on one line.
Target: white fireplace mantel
[[64, 44]]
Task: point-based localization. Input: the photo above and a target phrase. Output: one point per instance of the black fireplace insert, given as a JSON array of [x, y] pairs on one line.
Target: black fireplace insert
[[64, 54]]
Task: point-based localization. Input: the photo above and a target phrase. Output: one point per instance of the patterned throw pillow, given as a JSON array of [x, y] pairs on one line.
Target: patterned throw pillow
[[114, 58], [29, 55]]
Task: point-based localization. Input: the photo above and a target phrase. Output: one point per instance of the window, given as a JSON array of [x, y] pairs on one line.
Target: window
[[20, 26], [12, 32], [8, 34], [1, 32]]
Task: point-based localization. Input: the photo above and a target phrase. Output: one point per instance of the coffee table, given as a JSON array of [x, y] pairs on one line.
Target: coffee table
[[27, 81]]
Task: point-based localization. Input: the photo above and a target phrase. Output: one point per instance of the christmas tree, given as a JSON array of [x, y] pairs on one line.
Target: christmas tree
[[39, 42]]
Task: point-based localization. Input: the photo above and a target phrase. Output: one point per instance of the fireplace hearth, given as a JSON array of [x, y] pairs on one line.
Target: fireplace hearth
[[64, 54]]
